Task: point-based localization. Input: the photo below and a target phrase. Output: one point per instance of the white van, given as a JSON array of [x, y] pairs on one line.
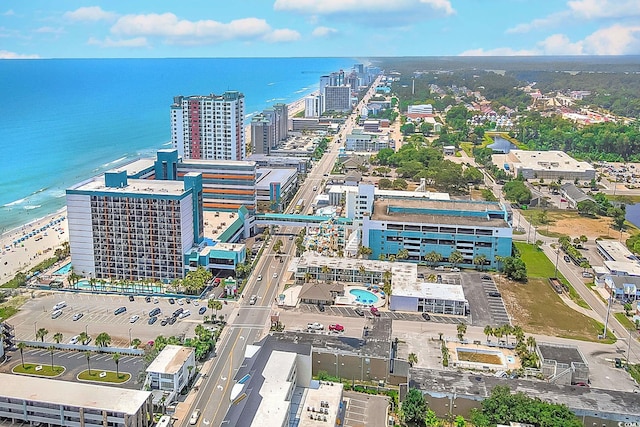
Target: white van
[[56, 314], [60, 305]]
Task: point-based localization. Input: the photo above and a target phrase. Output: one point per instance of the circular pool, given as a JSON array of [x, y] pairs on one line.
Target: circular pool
[[363, 296]]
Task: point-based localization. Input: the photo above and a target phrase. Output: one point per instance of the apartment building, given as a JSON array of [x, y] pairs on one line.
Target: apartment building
[[209, 126]]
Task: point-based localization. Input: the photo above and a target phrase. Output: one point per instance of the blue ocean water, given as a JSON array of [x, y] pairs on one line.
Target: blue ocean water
[[62, 121]]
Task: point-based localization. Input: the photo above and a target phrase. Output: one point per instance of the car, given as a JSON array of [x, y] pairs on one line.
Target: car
[[172, 301], [455, 270], [426, 316], [275, 275], [336, 327], [120, 310], [253, 300], [375, 311], [316, 326], [77, 316], [59, 306], [194, 417], [202, 310], [134, 318], [131, 298], [152, 320], [177, 312], [494, 294], [154, 312], [147, 299], [359, 312], [566, 258], [184, 314], [259, 277], [164, 321], [74, 339], [486, 277]]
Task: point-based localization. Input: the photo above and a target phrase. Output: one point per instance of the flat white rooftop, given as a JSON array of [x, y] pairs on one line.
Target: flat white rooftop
[[170, 360], [430, 290], [80, 395]]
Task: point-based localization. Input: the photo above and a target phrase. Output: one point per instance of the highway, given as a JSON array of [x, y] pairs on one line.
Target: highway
[[248, 323]]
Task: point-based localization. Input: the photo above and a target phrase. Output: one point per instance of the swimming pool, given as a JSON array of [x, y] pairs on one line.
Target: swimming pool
[[63, 270], [363, 296]]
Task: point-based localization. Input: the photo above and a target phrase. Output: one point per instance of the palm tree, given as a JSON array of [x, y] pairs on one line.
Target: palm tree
[[41, 334], [488, 331], [51, 350], [412, 359], [456, 258], [57, 337], [103, 339], [83, 337], [88, 356], [116, 359], [214, 304], [21, 347]]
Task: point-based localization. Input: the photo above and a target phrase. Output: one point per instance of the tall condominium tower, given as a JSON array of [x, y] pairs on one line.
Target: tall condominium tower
[[209, 126]]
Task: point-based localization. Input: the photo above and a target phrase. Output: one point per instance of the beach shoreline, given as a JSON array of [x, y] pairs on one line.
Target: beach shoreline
[[22, 256]]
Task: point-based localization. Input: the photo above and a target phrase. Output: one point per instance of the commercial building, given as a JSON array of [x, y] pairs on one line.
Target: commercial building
[[548, 165], [274, 387], [36, 401], [170, 372], [360, 141], [480, 231], [429, 297], [209, 126], [133, 229]]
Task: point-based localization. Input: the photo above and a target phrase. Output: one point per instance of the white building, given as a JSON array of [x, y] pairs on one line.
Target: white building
[[170, 371], [35, 401], [209, 126]]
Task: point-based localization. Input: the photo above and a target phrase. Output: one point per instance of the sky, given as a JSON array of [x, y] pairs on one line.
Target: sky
[[316, 28]]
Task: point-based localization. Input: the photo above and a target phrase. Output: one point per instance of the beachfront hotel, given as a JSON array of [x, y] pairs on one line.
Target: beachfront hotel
[[209, 126], [134, 229]]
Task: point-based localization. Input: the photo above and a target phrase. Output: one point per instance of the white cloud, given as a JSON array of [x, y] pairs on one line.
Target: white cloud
[[91, 14], [5, 54], [596, 9], [323, 31], [500, 51], [50, 30], [189, 32], [328, 7], [282, 35], [108, 42]]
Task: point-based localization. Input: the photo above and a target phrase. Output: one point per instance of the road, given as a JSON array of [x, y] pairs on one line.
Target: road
[[248, 322]]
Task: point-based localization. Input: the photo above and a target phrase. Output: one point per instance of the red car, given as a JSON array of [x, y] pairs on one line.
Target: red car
[[375, 311], [336, 327]]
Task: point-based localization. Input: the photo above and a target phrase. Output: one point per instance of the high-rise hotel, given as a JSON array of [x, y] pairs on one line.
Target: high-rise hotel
[[209, 127]]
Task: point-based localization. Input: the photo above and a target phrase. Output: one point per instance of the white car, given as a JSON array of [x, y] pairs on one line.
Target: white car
[[134, 318], [74, 339], [315, 326], [194, 417], [184, 314]]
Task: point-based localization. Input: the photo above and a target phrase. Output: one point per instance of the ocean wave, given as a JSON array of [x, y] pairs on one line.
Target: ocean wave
[[15, 202], [31, 207]]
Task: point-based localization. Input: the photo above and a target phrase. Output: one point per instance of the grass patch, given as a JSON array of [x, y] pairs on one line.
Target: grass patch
[[44, 371], [625, 321], [110, 376], [539, 266]]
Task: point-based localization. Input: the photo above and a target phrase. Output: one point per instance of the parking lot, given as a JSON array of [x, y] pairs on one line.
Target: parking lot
[[75, 362], [98, 316]]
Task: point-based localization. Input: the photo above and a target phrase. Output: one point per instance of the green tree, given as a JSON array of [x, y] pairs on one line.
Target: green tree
[[21, 346], [41, 334], [103, 339], [414, 407]]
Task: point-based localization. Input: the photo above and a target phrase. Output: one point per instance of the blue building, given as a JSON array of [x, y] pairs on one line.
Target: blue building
[[475, 229]]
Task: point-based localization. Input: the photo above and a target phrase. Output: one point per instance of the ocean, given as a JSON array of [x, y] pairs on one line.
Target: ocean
[[65, 120]]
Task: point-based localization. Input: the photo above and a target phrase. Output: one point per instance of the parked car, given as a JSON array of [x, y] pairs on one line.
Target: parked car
[[120, 310], [426, 316], [253, 300], [134, 318], [77, 316], [315, 326], [154, 312], [152, 320], [359, 312], [336, 327], [494, 294], [375, 311], [202, 310]]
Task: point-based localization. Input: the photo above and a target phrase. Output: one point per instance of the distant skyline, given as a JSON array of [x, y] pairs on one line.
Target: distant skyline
[[310, 28]]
